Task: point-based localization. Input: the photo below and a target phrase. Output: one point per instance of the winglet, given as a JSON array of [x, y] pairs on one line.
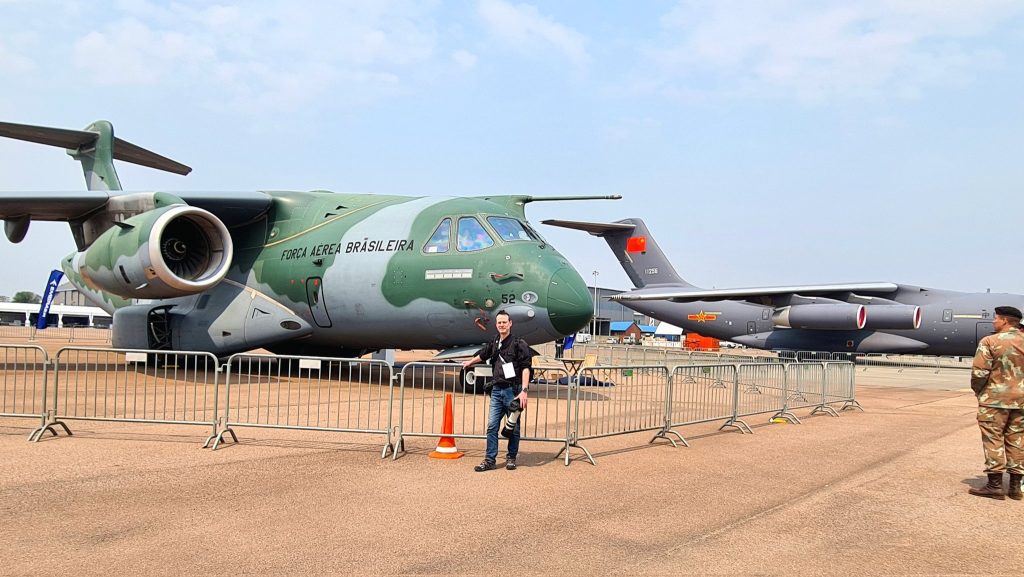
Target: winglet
[[95, 147]]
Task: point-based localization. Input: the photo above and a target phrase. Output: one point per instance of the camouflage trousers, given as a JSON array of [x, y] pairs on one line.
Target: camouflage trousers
[[1002, 437]]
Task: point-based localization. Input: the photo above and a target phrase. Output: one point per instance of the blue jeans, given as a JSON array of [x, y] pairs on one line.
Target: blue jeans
[[500, 399]]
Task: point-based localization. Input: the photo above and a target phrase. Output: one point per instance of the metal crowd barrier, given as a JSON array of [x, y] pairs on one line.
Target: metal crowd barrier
[[16, 332], [357, 395], [805, 387], [620, 400], [24, 375], [70, 333], [704, 393], [621, 354], [546, 417], [54, 332], [307, 393], [422, 388], [424, 385], [132, 386], [624, 355], [701, 394], [760, 388], [839, 387], [904, 362]]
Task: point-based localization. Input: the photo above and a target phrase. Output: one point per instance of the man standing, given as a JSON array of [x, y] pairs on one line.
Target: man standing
[[510, 359], [998, 381]]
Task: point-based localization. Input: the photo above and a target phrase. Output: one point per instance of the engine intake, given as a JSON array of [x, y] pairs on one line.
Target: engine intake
[[840, 316], [168, 252], [893, 317]]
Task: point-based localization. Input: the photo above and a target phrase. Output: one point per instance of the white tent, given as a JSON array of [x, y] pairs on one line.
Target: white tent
[[667, 330]]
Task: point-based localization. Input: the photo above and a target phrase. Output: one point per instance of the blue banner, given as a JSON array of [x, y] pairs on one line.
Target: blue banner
[[48, 294], [569, 341]]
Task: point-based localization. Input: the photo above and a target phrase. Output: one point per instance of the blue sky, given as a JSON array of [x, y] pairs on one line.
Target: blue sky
[[764, 142]]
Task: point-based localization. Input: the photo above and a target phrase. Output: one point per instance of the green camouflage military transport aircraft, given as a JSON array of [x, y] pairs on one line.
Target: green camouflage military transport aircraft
[[312, 273]]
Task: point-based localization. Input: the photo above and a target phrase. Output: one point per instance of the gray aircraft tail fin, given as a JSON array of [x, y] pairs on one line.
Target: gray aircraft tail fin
[[636, 249], [96, 148]]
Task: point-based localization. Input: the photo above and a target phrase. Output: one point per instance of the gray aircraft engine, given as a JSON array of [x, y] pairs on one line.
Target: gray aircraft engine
[[883, 317], [838, 316], [167, 252]]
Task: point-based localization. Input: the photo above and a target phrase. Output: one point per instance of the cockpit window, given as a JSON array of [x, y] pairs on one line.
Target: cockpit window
[[439, 241], [472, 235], [509, 229], [533, 232]]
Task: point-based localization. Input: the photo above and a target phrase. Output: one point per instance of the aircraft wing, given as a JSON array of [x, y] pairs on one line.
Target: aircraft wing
[[232, 208], [756, 294], [59, 206]]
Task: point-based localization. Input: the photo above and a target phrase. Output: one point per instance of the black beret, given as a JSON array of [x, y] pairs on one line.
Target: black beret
[[1009, 312]]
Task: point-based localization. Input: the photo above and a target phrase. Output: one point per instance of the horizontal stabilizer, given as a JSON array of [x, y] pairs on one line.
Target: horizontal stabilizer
[[594, 228], [78, 139]]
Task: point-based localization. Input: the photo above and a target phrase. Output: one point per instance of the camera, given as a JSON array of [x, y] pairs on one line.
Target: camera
[[514, 410]]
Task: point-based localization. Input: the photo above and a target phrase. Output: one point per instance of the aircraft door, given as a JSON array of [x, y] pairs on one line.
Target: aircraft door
[[317, 304], [751, 327], [984, 330]]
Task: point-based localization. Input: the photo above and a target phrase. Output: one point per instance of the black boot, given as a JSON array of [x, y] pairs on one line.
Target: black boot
[[1015, 492], [994, 488]]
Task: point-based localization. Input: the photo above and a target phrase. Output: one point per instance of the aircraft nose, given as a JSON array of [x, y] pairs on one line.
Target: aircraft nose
[[569, 304]]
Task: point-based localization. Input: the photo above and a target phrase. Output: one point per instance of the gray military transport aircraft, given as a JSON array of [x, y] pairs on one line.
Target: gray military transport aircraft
[[866, 317], [312, 273]]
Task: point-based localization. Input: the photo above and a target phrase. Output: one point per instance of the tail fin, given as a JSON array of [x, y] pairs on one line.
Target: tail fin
[[96, 147], [634, 246]]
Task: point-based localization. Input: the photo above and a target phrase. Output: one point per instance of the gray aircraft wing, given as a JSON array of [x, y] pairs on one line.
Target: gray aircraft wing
[[70, 206], [755, 294]]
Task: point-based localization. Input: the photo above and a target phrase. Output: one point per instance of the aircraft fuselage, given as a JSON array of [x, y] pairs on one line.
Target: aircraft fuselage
[[952, 323], [320, 273]]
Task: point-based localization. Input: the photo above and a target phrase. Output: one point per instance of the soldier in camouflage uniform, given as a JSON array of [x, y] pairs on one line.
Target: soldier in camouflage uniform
[[998, 380]]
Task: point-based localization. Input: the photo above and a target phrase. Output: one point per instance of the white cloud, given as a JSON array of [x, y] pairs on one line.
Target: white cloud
[[524, 28], [12, 62], [464, 59], [130, 52], [630, 129], [822, 49], [263, 56]]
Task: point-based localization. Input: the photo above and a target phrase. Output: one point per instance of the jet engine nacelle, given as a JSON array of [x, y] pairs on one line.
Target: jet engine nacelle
[[168, 252], [893, 317], [840, 316]]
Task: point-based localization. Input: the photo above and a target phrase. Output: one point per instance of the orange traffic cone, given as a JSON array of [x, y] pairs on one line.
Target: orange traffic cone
[[446, 445]]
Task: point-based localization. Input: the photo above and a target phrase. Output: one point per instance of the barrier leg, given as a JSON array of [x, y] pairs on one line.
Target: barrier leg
[[851, 404], [737, 423], [220, 437], [388, 448], [825, 409], [399, 447], [48, 424], [569, 445], [664, 434], [786, 415]]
